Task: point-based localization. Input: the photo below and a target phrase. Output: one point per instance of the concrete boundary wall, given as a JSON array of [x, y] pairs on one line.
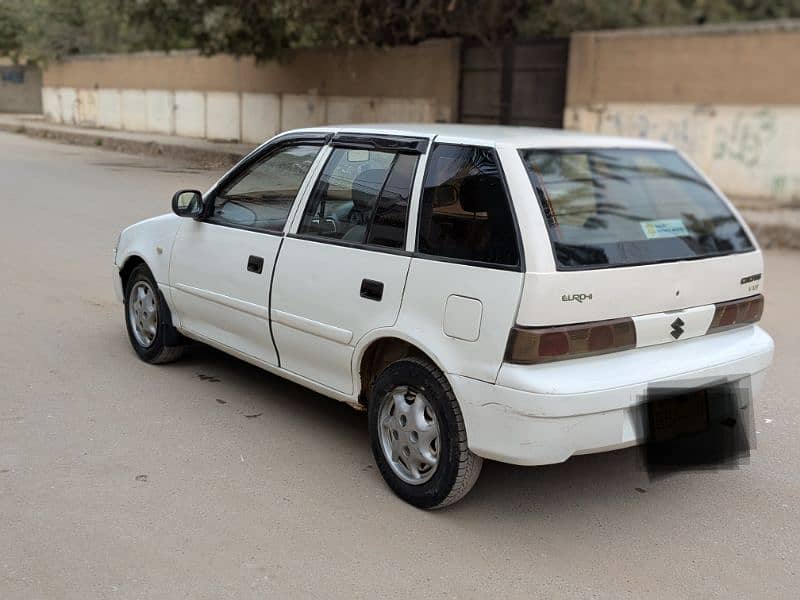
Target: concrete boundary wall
[[228, 116], [228, 98], [20, 88], [727, 95]]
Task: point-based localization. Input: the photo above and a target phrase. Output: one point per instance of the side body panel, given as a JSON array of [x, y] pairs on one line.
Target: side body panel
[[318, 312], [214, 293], [430, 284], [150, 240]]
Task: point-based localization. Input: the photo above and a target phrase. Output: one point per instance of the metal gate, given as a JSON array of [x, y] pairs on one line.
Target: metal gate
[[518, 83]]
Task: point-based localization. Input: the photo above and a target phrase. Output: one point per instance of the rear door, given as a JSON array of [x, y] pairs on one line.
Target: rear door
[[222, 264], [342, 272]]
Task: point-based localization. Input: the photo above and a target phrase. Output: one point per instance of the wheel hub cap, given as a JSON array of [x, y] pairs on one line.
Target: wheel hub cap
[[409, 434], [143, 313]]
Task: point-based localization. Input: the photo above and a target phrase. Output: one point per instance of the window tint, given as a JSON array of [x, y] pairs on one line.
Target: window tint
[[361, 195], [262, 196], [615, 207], [388, 226], [465, 212]]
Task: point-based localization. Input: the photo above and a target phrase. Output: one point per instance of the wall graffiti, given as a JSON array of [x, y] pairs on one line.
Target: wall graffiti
[[745, 138], [748, 151], [785, 186], [677, 131]]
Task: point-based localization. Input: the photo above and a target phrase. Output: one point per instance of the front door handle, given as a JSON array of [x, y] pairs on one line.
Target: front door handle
[[371, 289], [255, 264]]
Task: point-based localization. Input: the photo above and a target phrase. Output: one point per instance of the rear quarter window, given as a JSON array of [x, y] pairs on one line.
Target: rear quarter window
[[465, 213]]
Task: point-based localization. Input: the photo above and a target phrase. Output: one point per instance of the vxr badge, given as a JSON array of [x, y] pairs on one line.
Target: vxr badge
[[677, 328]]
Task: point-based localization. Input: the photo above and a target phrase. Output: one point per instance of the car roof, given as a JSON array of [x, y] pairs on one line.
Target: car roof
[[495, 135]]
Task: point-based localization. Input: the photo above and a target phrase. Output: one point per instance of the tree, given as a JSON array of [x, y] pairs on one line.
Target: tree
[[47, 29], [11, 27], [267, 28], [43, 29], [562, 17]]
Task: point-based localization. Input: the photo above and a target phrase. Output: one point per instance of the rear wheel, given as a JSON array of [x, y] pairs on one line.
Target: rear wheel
[[418, 437], [147, 319]]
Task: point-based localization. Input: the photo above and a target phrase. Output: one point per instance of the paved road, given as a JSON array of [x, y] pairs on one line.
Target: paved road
[[123, 480]]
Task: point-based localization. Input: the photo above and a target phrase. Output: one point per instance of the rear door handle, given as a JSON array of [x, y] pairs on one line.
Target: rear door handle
[[371, 289], [255, 264]]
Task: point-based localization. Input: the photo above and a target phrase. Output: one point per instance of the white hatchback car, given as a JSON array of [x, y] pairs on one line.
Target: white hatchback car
[[484, 292]]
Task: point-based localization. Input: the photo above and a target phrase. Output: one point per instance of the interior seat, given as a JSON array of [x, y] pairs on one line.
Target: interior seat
[[366, 187]]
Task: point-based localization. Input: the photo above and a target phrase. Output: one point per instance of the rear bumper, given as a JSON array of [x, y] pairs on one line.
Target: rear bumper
[[544, 414]]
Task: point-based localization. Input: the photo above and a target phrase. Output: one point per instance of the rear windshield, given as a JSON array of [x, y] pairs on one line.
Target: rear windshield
[[615, 207]]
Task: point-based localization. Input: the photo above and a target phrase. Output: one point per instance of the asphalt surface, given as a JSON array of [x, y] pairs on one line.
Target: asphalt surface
[[209, 478]]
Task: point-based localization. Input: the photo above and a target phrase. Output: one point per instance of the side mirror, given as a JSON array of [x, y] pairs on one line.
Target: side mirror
[[187, 203]]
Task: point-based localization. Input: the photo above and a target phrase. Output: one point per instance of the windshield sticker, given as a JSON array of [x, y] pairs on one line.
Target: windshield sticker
[[664, 228]]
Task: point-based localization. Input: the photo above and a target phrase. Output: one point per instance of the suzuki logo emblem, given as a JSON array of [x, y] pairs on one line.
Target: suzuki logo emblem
[[677, 328]]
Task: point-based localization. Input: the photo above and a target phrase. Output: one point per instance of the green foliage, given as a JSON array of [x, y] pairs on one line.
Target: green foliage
[[41, 30], [267, 28], [561, 17], [44, 29], [11, 27], [232, 26]]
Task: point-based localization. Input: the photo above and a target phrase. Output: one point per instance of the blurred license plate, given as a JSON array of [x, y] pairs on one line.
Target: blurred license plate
[[678, 416]]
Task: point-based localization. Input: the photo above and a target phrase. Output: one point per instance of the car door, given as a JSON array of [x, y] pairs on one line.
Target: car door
[[222, 263], [343, 272]]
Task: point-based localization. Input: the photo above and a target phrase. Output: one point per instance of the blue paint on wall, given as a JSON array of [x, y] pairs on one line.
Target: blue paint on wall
[[12, 74]]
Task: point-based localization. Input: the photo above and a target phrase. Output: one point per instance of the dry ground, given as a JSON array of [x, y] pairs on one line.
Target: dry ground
[[123, 480]]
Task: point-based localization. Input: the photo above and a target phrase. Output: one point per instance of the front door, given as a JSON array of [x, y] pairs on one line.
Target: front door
[[343, 273], [222, 264]]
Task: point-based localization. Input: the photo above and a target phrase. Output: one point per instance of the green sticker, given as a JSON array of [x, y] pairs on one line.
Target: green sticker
[[664, 228]]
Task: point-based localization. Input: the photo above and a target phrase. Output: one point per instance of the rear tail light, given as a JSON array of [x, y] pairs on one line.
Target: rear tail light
[[533, 345], [529, 345], [737, 313]]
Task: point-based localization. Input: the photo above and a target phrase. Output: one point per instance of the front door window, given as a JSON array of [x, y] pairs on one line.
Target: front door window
[[262, 196]]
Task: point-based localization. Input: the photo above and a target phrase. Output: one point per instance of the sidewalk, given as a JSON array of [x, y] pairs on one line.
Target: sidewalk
[[775, 225], [201, 152]]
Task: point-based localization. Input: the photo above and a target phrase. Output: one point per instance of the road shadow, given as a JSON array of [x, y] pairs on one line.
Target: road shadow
[[609, 481], [277, 396]]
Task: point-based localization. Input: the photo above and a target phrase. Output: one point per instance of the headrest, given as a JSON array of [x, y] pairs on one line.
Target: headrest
[[366, 186], [476, 192]]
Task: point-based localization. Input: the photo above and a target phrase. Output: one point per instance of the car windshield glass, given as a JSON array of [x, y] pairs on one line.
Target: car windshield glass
[[618, 207]]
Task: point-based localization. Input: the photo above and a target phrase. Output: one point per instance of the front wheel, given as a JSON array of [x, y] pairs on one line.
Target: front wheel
[[418, 437], [147, 319]]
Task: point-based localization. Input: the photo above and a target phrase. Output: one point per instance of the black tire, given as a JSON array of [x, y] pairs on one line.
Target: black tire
[[166, 345], [458, 468]]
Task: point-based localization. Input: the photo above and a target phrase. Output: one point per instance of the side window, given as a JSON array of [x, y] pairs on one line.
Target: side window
[[465, 211], [262, 196], [361, 197]]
